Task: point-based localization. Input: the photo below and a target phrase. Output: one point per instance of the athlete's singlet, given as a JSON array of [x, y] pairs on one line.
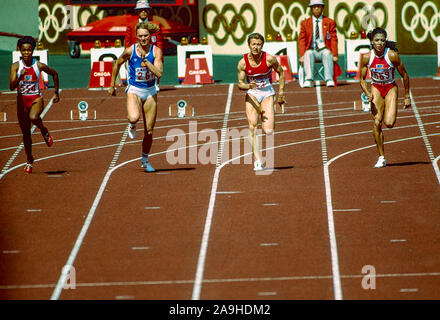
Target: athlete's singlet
[[261, 74], [381, 68], [28, 88], [138, 75], [382, 72]]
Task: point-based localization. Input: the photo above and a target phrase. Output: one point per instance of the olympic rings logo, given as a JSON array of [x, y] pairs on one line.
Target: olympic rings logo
[[419, 17], [287, 17], [231, 27], [181, 14], [351, 17], [52, 22]]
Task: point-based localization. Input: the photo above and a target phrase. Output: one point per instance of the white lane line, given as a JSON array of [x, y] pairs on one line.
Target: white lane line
[[388, 201], [152, 208], [21, 146], [337, 287], [397, 240], [271, 244], [425, 137], [347, 210], [198, 279], [69, 264], [270, 204], [229, 192], [230, 280], [34, 210]]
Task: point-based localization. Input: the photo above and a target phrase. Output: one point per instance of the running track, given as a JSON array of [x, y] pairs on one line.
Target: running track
[[314, 228]]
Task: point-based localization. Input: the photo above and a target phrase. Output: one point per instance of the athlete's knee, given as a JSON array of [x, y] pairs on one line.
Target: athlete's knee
[[389, 123], [133, 118], [34, 117], [268, 131], [149, 132]]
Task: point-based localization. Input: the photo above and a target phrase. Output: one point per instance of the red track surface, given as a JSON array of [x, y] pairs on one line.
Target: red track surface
[[305, 231]]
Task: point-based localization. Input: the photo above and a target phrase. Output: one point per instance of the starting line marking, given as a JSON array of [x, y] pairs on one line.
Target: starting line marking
[[274, 244], [409, 290], [140, 248], [10, 251]]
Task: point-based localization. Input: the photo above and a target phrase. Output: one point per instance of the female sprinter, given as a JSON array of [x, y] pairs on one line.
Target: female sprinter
[[382, 61]]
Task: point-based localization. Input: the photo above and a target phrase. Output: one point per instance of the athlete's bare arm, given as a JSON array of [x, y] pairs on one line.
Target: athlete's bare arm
[[52, 72], [13, 78], [157, 67], [241, 73], [363, 82], [121, 60], [273, 62], [395, 59]]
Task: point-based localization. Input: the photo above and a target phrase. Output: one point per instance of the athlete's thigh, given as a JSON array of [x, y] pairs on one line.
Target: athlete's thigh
[[150, 112], [252, 111], [23, 118], [134, 104], [267, 114], [378, 104], [36, 108], [391, 105]]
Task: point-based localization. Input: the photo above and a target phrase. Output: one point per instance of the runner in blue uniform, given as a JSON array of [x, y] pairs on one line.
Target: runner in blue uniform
[[144, 67]]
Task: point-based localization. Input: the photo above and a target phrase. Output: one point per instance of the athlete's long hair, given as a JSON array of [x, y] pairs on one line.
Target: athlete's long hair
[[26, 39], [388, 44]]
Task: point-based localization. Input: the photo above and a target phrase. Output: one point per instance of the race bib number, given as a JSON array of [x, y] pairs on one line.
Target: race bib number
[[28, 88], [143, 75], [382, 75], [261, 83]]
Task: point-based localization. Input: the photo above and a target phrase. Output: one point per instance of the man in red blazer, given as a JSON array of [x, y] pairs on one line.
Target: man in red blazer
[[145, 13], [318, 41]]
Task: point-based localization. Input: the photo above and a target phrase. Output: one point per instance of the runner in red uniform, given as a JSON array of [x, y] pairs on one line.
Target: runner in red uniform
[[257, 67], [24, 75], [382, 61]]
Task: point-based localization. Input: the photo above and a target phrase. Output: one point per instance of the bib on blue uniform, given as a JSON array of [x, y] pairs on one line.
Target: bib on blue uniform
[[138, 75]]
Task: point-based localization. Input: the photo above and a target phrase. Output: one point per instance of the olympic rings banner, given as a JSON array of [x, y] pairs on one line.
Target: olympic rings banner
[[414, 24], [418, 22]]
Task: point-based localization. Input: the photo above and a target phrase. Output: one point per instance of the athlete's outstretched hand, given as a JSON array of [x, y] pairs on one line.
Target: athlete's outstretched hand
[[407, 103], [112, 91], [56, 97]]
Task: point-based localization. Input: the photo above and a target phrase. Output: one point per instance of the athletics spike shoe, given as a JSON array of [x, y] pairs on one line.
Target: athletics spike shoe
[[381, 162], [28, 168], [132, 131], [48, 139], [258, 166], [148, 167]]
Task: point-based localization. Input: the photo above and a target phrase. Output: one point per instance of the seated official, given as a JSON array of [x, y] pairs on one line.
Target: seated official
[[318, 41]]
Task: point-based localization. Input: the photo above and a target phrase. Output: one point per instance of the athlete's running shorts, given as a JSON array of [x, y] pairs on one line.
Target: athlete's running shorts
[[261, 93], [384, 88], [143, 93], [27, 100]]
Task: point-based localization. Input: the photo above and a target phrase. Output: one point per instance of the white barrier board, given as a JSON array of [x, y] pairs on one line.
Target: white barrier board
[[353, 49], [288, 48], [186, 51], [108, 54]]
